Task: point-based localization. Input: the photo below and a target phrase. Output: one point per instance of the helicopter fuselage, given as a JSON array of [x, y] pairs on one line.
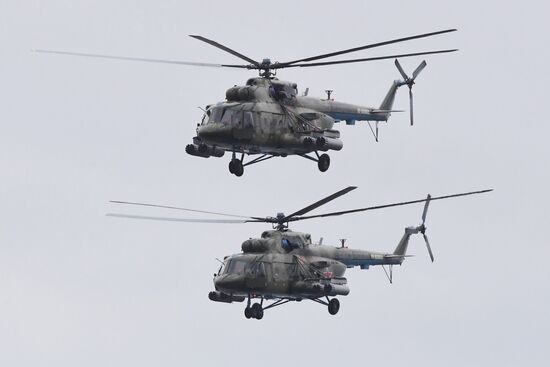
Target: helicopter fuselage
[[286, 265], [266, 116]]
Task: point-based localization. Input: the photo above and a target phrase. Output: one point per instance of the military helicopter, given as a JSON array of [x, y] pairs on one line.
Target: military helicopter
[[283, 265], [267, 117]]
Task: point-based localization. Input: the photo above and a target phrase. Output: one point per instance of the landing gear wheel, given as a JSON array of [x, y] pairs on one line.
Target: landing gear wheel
[[236, 167], [333, 306], [257, 311], [239, 170], [324, 162], [248, 312]]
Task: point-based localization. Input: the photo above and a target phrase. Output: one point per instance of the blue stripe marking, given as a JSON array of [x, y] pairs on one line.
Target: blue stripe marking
[[356, 116]]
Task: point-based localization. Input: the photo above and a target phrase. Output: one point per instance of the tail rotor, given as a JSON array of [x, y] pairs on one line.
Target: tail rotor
[[410, 82], [422, 227]]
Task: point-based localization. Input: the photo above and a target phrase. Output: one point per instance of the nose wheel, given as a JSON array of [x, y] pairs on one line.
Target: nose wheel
[[236, 167], [254, 312]]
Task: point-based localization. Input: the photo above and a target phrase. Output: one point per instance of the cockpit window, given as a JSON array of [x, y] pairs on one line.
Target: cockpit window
[[235, 267], [216, 114], [227, 116]]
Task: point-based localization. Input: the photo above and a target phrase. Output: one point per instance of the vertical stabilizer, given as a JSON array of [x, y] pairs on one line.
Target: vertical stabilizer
[[403, 244], [387, 102]]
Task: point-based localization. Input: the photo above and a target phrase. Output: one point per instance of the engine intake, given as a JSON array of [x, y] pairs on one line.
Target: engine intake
[[255, 245], [240, 93]]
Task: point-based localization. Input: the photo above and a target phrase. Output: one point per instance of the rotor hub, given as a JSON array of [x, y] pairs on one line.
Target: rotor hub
[[422, 229]]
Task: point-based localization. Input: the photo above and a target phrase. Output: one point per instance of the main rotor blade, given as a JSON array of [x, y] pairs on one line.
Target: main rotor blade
[[388, 205], [185, 209], [373, 45], [141, 59], [349, 61], [225, 48], [319, 203], [169, 219]]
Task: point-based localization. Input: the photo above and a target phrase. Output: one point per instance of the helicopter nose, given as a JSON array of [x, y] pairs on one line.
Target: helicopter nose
[[229, 282], [215, 132]]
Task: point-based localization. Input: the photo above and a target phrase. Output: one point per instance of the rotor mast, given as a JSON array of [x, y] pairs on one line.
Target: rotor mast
[[265, 69]]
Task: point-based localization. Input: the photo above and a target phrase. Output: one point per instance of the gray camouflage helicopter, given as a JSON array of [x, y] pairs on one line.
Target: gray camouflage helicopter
[[267, 117], [283, 265]]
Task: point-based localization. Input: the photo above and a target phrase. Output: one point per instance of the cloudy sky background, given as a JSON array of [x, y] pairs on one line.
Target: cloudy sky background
[[80, 288]]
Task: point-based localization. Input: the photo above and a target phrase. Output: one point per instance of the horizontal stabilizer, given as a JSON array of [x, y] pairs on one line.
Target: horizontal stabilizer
[[385, 111], [393, 256]]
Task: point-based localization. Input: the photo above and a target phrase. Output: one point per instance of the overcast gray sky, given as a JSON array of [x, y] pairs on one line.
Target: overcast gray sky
[[79, 288]]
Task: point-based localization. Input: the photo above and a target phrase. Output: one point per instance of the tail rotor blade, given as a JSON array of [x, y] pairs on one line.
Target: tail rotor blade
[[411, 105], [428, 246], [401, 71], [426, 208], [419, 69]]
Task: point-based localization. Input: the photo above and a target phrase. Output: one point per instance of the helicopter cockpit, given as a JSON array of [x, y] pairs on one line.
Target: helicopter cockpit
[[234, 266], [220, 114], [243, 266]]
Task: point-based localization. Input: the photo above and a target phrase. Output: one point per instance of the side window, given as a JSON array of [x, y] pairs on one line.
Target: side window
[[248, 119], [277, 120], [282, 121], [256, 270]]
